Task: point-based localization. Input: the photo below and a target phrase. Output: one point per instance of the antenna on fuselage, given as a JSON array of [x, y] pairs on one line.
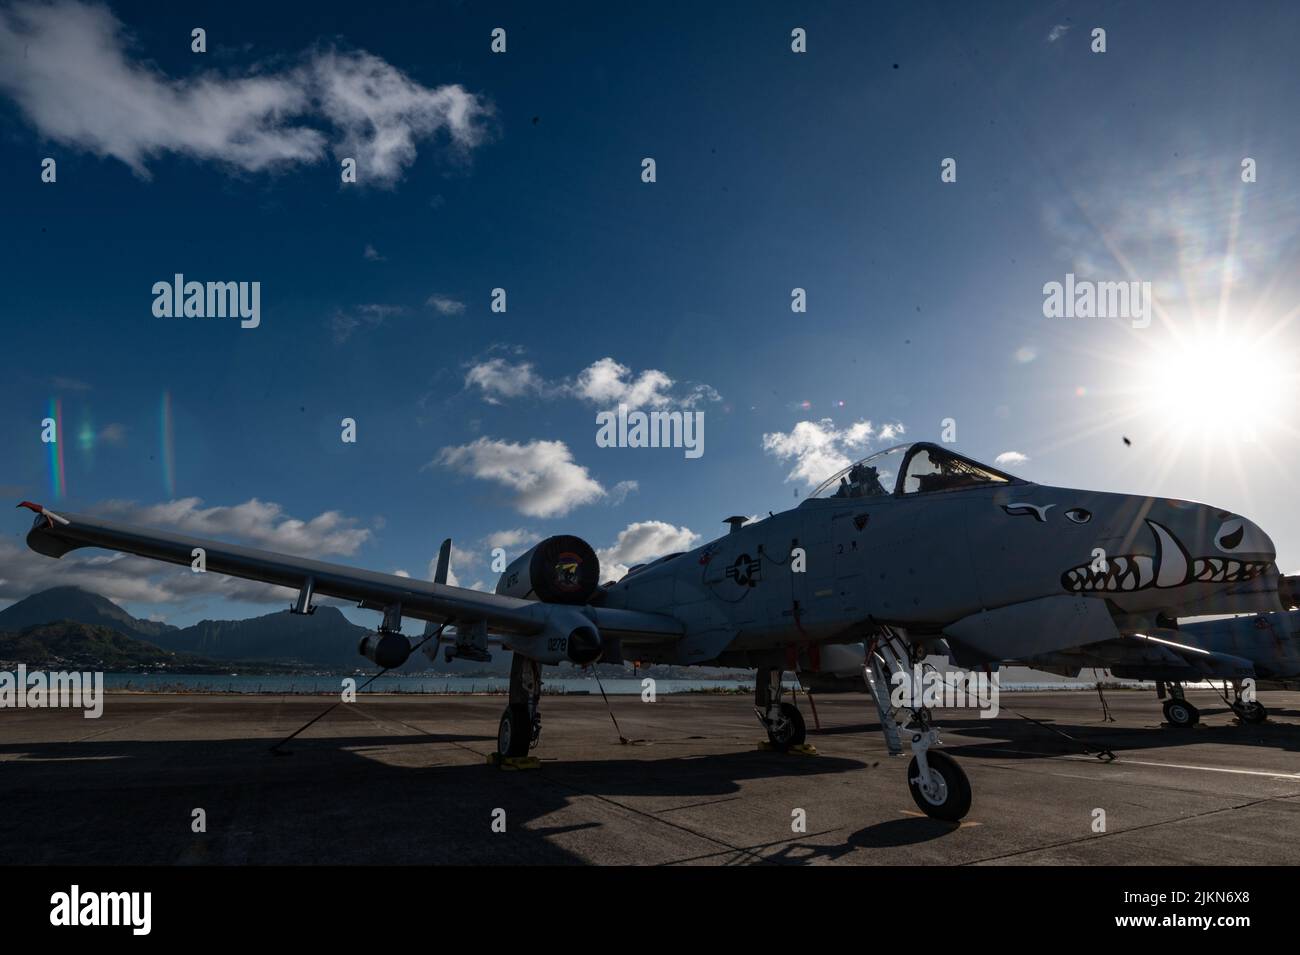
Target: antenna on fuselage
[[736, 523]]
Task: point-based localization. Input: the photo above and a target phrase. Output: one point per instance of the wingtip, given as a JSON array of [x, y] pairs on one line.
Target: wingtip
[[31, 507]]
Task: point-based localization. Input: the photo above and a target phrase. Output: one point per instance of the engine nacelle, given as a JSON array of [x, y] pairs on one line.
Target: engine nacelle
[[559, 570], [569, 636], [584, 645], [387, 650]]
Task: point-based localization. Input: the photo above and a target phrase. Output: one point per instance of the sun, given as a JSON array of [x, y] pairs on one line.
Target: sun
[[1219, 385]]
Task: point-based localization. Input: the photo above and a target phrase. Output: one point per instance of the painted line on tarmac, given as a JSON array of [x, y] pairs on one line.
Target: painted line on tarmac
[[1126, 761]]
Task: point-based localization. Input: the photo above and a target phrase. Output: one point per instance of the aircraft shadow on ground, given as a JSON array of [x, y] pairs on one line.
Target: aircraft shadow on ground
[[341, 800], [1007, 733], [376, 798]]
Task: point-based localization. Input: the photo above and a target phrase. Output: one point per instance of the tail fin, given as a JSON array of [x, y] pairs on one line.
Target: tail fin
[[440, 576]]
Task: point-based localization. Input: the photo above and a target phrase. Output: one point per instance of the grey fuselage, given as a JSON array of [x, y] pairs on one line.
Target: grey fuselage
[[998, 571]]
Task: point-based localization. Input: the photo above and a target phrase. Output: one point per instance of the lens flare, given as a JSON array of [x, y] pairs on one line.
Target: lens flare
[[57, 482], [168, 450], [86, 440]]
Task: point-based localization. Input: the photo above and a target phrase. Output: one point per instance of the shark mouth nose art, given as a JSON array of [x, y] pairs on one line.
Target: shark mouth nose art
[[1171, 567]]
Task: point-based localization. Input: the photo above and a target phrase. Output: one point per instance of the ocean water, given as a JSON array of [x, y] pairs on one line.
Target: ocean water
[[332, 684]]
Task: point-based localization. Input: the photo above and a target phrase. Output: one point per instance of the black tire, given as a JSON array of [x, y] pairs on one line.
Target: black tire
[[1252, 712], [1181, 714], [790, 731], [955, 792], [515, 732]]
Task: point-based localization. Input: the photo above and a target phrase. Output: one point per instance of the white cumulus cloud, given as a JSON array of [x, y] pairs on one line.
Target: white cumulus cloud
[[499, 379], [125, 578], [544, 479], [514, 540], [255, 522], [818, 448], [640, 542]]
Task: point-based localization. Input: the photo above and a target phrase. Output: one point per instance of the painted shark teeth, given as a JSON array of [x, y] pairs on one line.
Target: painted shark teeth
[[1121, 574], [1226, 570], [1135, 572]]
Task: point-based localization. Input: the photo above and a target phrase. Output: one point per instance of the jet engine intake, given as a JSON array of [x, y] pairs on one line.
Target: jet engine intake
[[568, 636], [559, 570], [584, 645]]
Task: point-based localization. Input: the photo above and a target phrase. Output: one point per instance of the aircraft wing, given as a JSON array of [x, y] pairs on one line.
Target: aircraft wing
[[1156, 655], [56, 534]]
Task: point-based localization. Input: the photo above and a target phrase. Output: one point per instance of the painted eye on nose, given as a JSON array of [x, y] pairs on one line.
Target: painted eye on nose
[[1078, 515], [1231, 534]]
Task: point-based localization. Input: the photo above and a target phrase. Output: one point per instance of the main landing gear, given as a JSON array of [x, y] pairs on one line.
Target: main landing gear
[[521, 724], [1182, 715], [1247, 711], [1178, 712], [783, 721]]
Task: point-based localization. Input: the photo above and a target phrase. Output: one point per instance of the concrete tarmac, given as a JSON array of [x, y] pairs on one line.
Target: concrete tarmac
[[404, 779]]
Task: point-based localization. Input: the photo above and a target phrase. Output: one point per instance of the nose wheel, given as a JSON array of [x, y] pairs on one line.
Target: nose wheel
[[938, 785], [942, 790]]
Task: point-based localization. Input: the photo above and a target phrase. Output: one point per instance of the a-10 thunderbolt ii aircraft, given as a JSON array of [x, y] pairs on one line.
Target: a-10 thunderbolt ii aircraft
[[913, 549]]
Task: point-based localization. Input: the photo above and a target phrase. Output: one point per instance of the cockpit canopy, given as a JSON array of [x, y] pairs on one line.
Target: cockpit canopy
[[909, 469]]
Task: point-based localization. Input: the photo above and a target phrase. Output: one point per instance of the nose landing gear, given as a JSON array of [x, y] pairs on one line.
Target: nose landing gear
[[938, 785]]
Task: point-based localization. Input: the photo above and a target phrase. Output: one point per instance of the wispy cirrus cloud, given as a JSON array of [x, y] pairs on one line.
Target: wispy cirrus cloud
[[71, 68], [445, 304], [605, 382], [344, 322]]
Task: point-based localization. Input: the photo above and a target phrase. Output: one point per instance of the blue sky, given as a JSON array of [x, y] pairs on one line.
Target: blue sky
[[775, 170]]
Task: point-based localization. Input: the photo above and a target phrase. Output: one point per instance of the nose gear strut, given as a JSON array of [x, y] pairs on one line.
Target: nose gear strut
[[938, 784]]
